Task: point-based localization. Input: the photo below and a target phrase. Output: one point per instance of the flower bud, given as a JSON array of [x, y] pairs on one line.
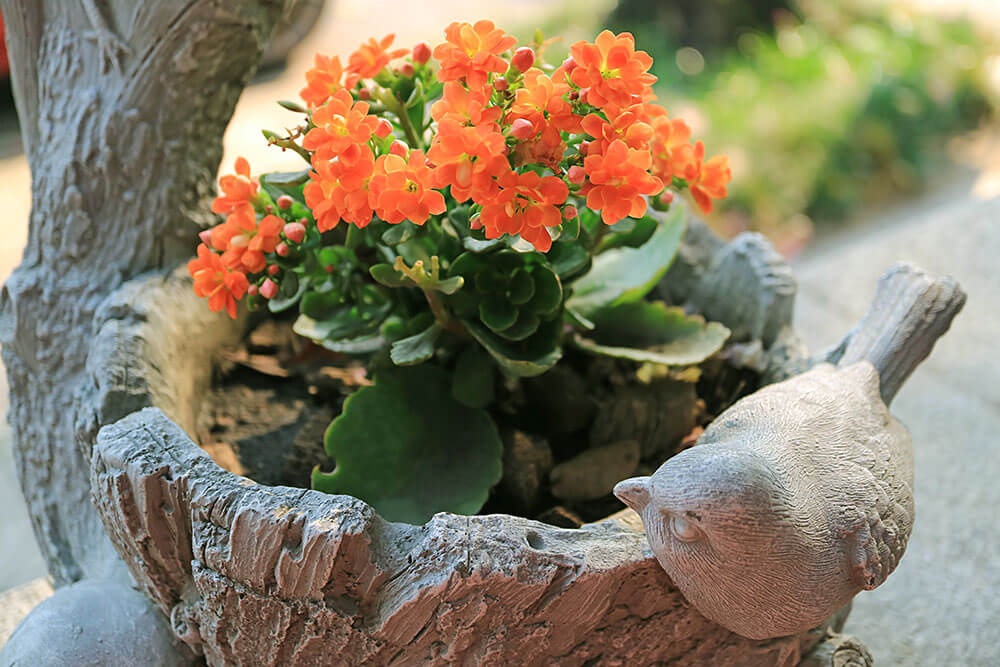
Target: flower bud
[[576, 174], [501, 84], [522, 129], [406, 69], [253, 290], [399, 148], [569, 64], [273, 269], [421, 53], [574, 95], [269, 209], [295, 232], [667, 197], [383, 129], [282, 249], [269, 289], [569, 212], [364, 94], [206, 237], [583, 148], [475, 222], [523, 59], [329, 268], [284, 202]]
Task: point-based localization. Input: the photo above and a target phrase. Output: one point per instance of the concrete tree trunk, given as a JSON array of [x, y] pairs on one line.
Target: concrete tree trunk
[[122, 107]]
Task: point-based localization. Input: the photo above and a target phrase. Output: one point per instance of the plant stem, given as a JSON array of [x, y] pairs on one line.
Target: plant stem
[[602, 229], [408, 129], [441, 314]]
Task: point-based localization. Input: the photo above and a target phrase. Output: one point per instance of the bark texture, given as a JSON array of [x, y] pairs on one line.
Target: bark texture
[[122, 107]]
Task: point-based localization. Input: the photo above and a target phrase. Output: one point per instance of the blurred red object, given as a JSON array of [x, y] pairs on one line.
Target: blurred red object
[[4, 63]]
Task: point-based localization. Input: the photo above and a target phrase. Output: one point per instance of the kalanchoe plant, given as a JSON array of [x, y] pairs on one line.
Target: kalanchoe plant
[[467, 219]]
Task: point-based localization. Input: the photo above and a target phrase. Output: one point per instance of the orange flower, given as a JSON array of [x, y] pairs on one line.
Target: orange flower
[[541, 101], [372, 56], [239, 192], [246, 241], [468, 107], [527, 204], [336, 192], [611, 70], [618, 179], [323, 80], [672, 153], [343, 128], [401, 189], [213, 280], [626, 125], [711, 180], [472, 52], [467, 159]]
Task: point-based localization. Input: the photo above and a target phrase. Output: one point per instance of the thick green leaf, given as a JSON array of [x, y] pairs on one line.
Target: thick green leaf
[[450, 285], [409, 450], [626, 274], [322, 305], [653, 332], [548, 291], [632, 234], [497, 313], [360, 345], [287, 296], [521, 288], [390, 277], [415, 349], [404, 231], [474, 378], [527, 358], [568, 260], [527, 323]]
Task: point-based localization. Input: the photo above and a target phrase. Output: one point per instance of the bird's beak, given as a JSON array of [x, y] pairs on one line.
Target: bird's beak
[[634, 492]]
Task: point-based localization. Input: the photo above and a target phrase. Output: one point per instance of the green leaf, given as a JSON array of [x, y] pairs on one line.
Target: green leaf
[[526, 324], [474, 378], [287, 297], [570, 230], [415, 349], [388, 276], [409, 450], [621, 275], [285, 179], [568, 260], [653, 332], [497, 313], [637, 232], [477, 246], [523, 359], [548, 291], [522, 287], [404, 231], [360, 345], [450, 285]]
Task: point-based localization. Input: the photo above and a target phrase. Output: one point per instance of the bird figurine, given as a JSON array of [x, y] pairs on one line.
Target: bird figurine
[[800, 495]]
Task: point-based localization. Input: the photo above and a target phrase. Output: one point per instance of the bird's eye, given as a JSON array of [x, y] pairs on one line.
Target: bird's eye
[[684, 530]]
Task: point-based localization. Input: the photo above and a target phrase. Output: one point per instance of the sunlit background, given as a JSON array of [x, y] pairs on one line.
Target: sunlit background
[[836, 116]]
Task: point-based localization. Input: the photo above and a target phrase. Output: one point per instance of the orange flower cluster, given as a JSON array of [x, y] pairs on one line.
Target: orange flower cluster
[[526, 148]]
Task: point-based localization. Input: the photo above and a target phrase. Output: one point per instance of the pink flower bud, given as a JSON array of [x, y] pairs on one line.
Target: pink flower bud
[[583, 93], [523, 59], [383, 129], [273, 269], [206, 237], [475, 222], [282, 249], [522, 129], [574, 95], [569, 64], [583, 148], [328, 268], [569, 212], [667, 197], [364, 94], [501, 84], [269, 289], [295, 232], [268, 209], [421, 53], [406, 70], [253, 290], [399, 148], [284, 202], [576, 174]]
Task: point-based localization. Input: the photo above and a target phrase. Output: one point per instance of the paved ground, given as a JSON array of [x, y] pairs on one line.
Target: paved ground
[[939, 607]]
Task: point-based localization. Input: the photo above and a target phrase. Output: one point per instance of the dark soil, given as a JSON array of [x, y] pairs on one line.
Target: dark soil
[[568, 435]]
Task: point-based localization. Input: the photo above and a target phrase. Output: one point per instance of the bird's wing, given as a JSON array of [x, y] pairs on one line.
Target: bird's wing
[[874, 546]]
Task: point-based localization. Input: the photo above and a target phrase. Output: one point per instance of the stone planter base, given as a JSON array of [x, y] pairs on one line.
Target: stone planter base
[[250, 574]]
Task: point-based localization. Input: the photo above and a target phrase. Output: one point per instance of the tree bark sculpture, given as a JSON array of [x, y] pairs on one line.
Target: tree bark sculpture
[[122, 107]]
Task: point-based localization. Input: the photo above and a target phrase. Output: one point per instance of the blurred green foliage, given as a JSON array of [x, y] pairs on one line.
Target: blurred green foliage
[[835, 106]]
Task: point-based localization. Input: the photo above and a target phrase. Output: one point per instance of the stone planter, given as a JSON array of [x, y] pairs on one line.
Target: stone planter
[[250, 574]]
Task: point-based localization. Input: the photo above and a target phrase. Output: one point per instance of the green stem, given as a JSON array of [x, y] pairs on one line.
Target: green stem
[[602, 229], [404, 121], [441, 314]]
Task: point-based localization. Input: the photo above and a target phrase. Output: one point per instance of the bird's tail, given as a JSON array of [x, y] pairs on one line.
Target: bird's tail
[[910, 311]]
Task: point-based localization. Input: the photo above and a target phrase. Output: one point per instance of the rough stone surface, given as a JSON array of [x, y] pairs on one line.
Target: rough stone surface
[[527, 460], [657, 416], [594, 472], [94, 624]]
